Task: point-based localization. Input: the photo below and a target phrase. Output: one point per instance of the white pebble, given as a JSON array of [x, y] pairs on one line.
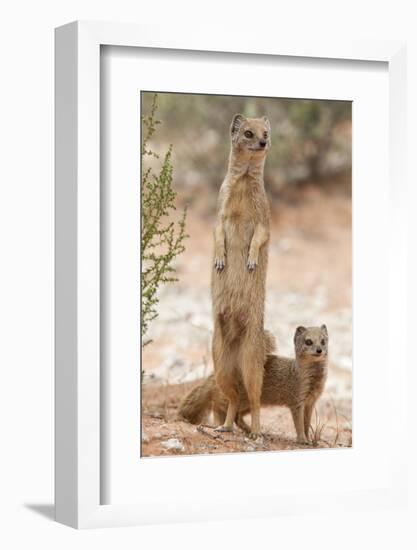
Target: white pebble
[[173, 444]]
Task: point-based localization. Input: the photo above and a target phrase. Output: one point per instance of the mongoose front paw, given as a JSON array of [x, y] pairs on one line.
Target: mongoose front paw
[[251, 264], [219, 264]]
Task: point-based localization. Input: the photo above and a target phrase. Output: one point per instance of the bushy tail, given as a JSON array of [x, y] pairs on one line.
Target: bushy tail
[[198, 401]]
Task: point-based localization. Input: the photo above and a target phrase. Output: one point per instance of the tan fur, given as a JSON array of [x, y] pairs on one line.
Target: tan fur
[[240, 261], [196, 403], [295, 383]]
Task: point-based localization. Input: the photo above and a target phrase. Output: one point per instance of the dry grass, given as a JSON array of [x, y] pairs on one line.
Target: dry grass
[[316, 430]]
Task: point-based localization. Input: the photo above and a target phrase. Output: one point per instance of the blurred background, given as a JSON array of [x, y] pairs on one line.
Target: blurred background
[[308, 182], [311, 142]]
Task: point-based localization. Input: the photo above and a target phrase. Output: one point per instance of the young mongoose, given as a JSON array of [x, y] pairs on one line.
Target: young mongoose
[[240, 261], [295, 383]]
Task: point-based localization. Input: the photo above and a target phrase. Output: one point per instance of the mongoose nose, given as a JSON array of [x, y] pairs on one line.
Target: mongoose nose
[[262, 143], [318, 350]]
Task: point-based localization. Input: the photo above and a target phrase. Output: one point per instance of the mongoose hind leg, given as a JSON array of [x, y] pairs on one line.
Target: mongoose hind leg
[[252, 374], [232, 409], [218, 417], [225, 369], [240, 422], [226, 381]]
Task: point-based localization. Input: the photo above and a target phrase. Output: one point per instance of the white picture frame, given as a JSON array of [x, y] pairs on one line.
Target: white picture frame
[[78, 406]]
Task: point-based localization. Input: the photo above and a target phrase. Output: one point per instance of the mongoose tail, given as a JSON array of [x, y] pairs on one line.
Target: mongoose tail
[[296, 383], [198, 402]]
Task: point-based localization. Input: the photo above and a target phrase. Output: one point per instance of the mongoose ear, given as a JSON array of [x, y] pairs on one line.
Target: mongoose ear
[[236, 123], [266, 120], [298, 331], [324, 329]]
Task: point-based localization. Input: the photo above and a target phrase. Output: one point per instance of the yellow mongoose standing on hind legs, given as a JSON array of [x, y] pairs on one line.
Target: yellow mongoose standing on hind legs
[[295, 383], [240, 261]]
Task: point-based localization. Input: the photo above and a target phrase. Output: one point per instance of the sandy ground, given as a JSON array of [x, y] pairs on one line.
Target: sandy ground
[[164, 434], [309, 282]]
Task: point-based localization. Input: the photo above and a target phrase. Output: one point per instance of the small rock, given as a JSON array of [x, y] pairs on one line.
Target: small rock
[[173, 445], [145, 438]]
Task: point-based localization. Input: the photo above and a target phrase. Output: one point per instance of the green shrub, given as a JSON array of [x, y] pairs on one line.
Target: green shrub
[[161, 238]]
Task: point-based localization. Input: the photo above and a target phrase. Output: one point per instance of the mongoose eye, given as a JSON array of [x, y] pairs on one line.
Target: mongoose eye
[[309, 342], [248, 134], [265, 135], [323, 342]]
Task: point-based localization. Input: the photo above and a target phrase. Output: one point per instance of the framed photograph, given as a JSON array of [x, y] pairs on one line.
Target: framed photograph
[[228, 322]]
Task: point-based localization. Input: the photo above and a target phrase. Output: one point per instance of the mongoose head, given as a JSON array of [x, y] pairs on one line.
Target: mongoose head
[[250, 136], [311, 343]]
